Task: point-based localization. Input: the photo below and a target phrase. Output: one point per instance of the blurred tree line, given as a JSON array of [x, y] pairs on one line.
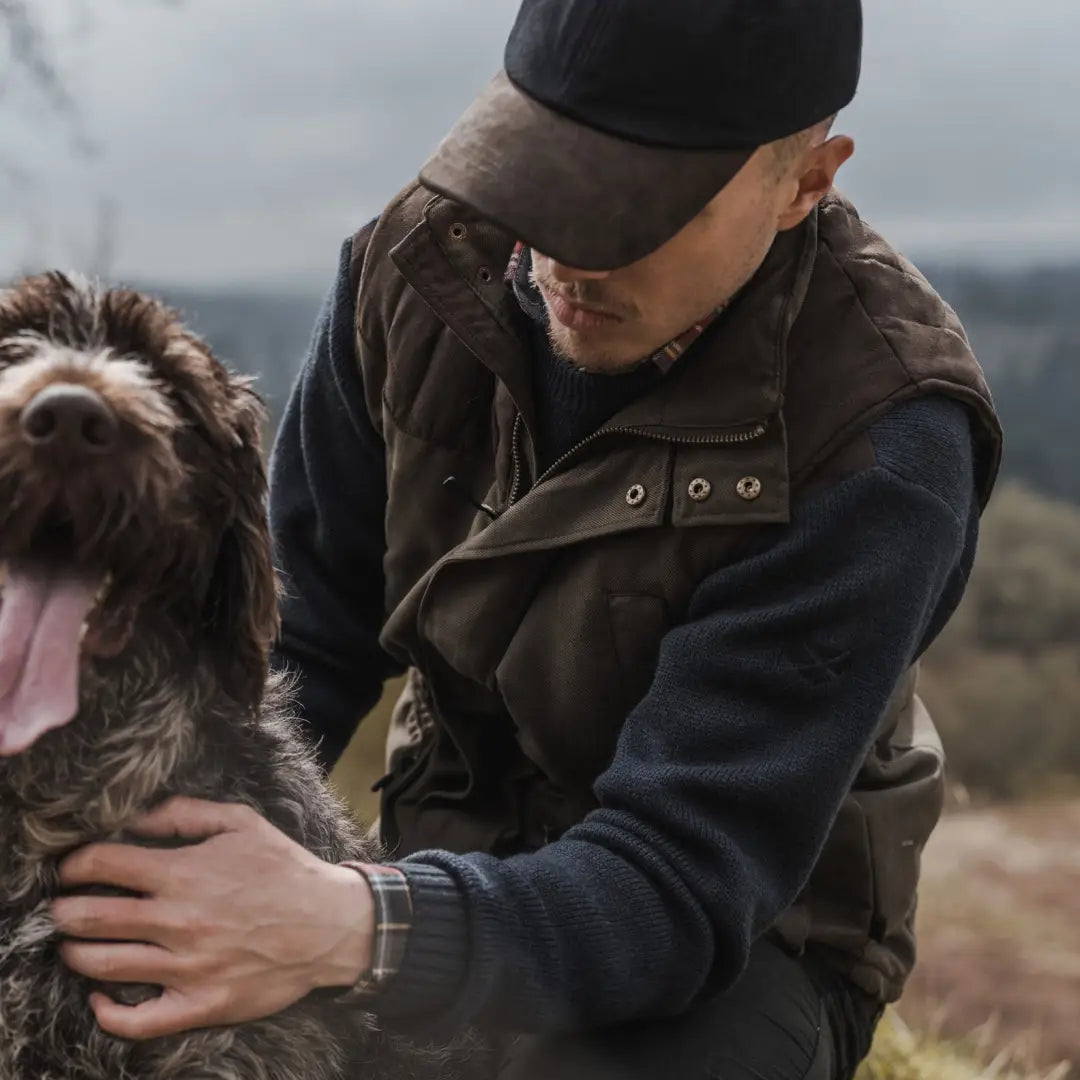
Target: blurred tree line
[[1039, 411], [1025, 326]]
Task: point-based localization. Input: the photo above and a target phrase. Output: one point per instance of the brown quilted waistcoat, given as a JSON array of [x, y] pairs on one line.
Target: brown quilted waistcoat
[[531, 632]]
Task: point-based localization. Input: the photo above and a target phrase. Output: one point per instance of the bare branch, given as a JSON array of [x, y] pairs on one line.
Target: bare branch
[[30, 52]]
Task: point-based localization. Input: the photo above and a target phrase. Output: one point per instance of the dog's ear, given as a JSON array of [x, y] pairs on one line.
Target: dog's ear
[[241, 615]]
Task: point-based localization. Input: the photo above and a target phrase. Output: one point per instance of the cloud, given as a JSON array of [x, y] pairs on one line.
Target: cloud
[[964, 128], [242, 140]]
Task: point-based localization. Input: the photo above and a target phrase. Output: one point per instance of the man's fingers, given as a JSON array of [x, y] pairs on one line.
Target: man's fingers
[[112, 918], [166, 1015], [122, 865], [120, 963], [193, 819]]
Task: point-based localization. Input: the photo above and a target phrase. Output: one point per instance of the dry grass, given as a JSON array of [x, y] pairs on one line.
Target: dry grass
[[362, 763], [902, 1054], [999, 931]]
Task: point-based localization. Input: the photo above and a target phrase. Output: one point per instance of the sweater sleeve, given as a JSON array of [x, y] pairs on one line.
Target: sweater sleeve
[[327, 509], [727, 776]]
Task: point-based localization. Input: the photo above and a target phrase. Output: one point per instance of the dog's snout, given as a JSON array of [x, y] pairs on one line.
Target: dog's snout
[[73, 420]]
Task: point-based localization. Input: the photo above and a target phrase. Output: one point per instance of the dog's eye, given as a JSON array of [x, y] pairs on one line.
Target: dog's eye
[[12, 352]]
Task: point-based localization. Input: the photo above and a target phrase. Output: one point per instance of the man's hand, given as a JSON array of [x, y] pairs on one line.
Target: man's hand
[[238, 926]]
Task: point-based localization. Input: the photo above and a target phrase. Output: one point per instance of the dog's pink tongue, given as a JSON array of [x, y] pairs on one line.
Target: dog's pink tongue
[[41, 617]]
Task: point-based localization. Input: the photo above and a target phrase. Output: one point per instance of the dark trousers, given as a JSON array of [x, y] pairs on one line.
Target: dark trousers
[[786, 1019]]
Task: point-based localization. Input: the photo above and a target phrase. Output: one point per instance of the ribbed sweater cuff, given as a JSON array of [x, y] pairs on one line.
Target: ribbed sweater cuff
[[437, 953]]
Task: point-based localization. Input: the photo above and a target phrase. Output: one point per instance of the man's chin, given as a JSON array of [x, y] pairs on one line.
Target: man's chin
[[595, 351]]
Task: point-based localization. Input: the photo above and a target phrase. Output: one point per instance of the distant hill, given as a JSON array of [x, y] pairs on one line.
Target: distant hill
[[1025, 327], [1018, 321], [259, 333]]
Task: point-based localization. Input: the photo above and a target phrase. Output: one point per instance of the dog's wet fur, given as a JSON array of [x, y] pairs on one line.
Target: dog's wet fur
[[174, 694]]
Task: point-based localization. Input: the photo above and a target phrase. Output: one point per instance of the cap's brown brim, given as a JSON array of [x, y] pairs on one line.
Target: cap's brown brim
[[583, 197]]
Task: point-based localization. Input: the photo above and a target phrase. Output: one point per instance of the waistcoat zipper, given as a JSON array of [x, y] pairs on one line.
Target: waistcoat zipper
[[515, 451], [731, 438]]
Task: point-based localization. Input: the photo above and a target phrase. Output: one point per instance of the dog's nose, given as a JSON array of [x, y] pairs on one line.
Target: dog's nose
[[71, 419]]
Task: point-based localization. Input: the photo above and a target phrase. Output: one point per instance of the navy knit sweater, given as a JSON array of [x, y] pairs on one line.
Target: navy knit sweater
[[727, 775]]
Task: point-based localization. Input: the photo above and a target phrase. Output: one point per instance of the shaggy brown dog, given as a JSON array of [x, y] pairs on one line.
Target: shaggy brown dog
[[135, 622]]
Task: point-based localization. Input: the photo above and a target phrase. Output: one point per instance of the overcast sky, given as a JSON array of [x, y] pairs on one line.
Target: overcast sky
[[242, 140]]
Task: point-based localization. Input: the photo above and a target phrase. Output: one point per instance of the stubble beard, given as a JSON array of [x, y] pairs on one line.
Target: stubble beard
[[564, 346]]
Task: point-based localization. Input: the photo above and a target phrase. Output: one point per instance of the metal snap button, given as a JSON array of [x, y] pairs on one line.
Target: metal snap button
[[749, 488], [636, 495], [700, 489], [458, 231]]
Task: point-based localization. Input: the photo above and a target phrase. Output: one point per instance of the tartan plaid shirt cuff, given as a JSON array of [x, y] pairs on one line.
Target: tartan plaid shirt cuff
[[393, 921]]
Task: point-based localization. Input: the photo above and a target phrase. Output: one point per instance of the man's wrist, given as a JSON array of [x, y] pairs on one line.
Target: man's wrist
[[390, 905], [354, 911]]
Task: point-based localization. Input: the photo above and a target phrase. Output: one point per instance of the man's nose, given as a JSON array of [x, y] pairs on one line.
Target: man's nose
[[567, 274]]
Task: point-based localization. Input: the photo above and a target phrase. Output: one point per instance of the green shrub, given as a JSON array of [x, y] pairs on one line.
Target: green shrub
[[1003, 681]]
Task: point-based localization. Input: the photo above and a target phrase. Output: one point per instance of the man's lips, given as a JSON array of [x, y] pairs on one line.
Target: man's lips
[[576, 316]]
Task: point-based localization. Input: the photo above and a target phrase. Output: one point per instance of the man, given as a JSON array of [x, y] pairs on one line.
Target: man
[[657, 470]]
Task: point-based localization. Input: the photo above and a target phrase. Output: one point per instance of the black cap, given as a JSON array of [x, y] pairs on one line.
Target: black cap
[[614, 122]]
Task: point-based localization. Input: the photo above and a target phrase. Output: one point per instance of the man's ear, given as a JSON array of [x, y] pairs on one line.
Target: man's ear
[[814, 179]]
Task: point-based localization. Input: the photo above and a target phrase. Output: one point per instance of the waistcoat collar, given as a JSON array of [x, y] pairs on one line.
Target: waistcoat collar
[[733, 377]]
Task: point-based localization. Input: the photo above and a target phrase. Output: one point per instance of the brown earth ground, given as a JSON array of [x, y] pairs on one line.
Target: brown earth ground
[[999, 931], [999, 919]]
